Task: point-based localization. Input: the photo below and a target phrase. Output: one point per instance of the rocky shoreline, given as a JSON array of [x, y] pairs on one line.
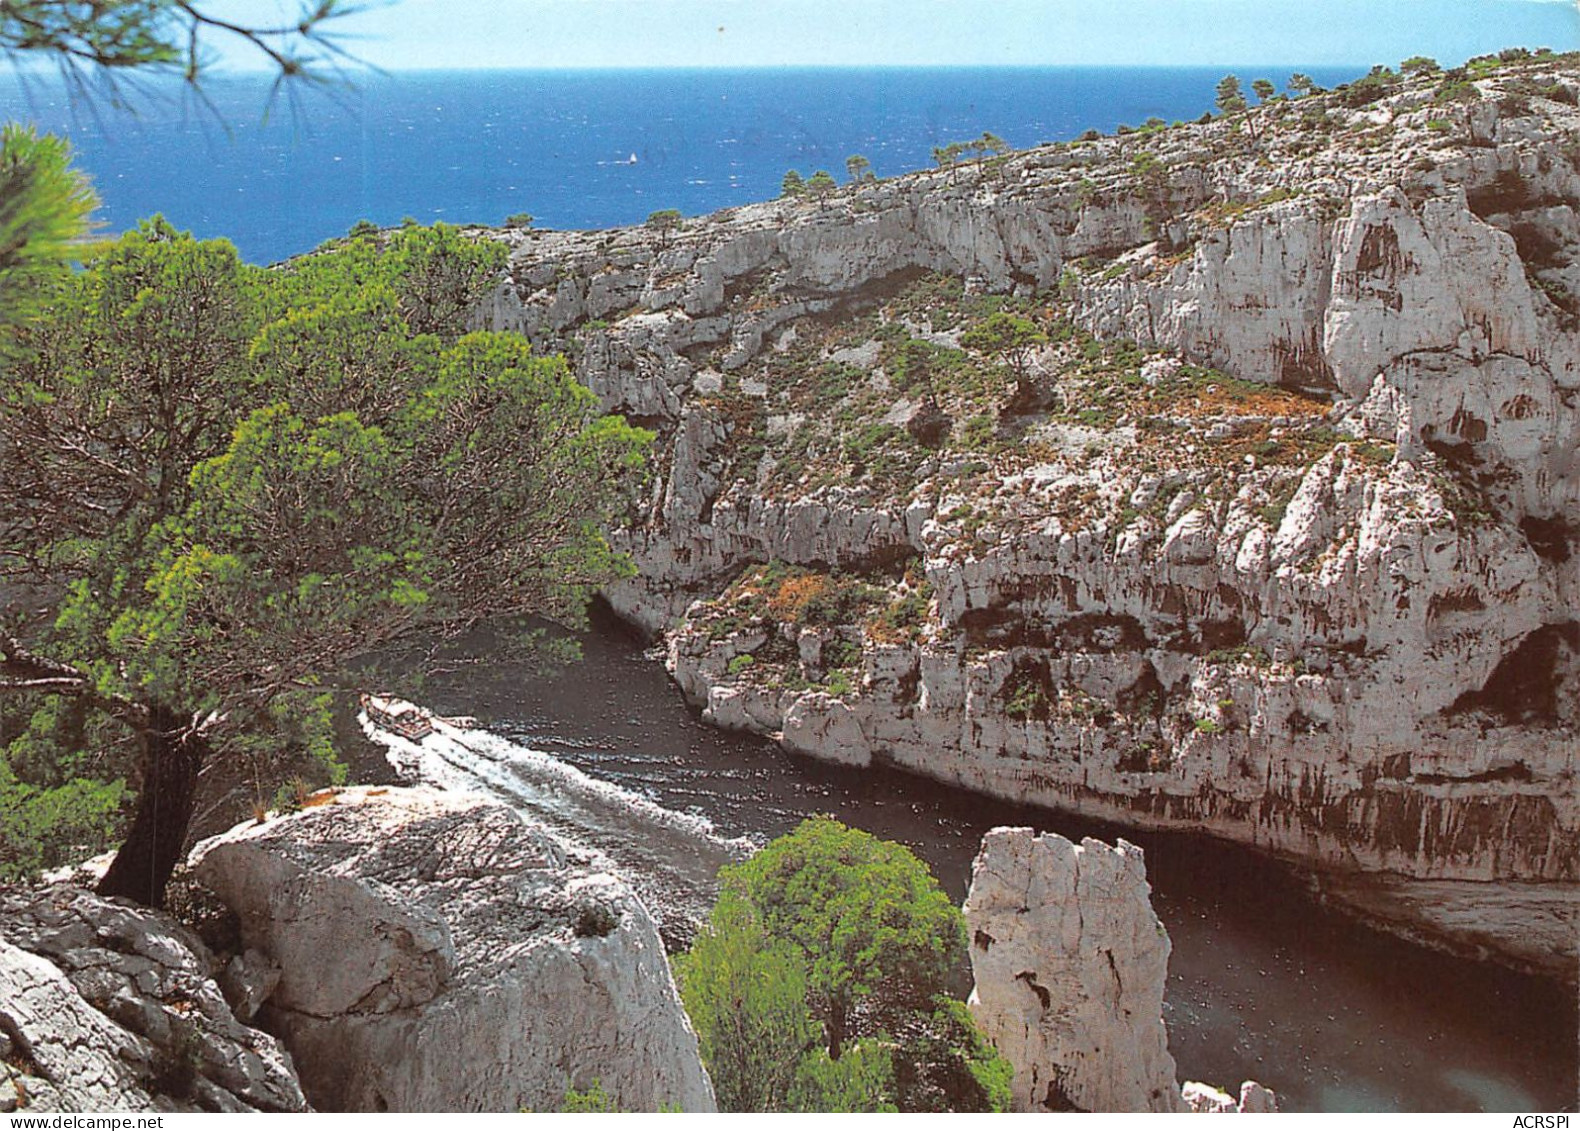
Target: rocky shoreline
[[416, 949], [383, 949], [1265, 529]]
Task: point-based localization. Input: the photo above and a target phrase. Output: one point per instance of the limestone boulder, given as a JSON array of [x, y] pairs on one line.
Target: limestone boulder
[[1204, 1099], [435, 952]]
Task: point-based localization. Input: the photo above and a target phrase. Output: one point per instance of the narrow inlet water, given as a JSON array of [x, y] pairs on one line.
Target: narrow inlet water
[[1264, 983]]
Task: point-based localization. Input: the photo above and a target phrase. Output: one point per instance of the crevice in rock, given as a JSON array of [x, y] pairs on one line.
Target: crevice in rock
[[1146, 696], [1553, 537], [1042, 993], [20, 1052], [1056, 1099], [1517, 772]]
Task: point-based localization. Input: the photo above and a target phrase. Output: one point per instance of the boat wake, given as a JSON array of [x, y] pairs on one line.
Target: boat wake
[[670, 858]]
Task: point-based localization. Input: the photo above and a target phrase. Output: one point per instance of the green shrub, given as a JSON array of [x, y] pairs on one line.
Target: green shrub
[[746, 996], [56, 806], [593, 1101], [862, 1080], [49, 827], [950, 1066], [819, 981], [869, 920]]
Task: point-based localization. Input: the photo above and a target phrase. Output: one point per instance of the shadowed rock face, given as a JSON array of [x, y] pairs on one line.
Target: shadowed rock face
[[436, 953], [1271, 538], [109, 1007]]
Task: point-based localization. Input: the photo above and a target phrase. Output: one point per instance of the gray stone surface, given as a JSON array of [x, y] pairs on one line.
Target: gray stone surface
[[436, 953], [109, 1006], [1070, 963]]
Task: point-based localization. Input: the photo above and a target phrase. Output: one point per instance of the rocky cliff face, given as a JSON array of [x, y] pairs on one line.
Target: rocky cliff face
[[109, 1007], [1193, 478], [435, 953]]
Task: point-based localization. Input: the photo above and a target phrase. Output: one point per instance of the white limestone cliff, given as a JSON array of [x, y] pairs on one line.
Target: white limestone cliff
[[1334, 620]]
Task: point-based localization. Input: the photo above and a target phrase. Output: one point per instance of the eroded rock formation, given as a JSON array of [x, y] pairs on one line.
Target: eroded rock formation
[[109, 1007], [436, 953], [1070, 963], [1269, 529]]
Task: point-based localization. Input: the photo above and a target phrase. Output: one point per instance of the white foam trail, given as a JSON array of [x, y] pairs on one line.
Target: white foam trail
[[683, 850], [551, 770], [424, 762]]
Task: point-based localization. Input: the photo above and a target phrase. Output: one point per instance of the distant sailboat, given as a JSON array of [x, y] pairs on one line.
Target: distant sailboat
[[632, 160]]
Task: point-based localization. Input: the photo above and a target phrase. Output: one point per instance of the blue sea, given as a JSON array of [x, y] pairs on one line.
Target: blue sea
[[576, 149]]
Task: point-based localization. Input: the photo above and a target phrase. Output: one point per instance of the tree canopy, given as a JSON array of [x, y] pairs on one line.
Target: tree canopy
[[666, 222], [1016, 339], [858, 168], [820, 983], [1228, 97], [866, 916], [108, 37], [1301, 85], [45, 206], [1003, 332], [746, 995], [220, 484]]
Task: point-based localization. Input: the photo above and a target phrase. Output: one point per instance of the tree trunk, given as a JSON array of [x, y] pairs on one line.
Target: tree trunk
[[170, 763], [838, 1029]]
